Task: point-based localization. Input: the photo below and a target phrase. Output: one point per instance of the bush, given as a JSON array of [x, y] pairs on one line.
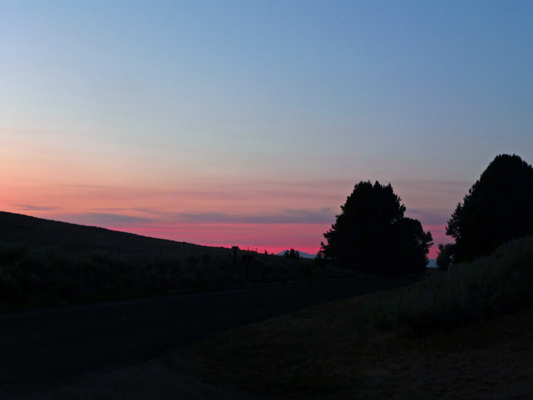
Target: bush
[[470, 292], [292, 254], [445, 256]]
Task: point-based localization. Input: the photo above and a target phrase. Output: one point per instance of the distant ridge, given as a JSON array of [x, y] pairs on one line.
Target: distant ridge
[[41, 233], [302, 254]]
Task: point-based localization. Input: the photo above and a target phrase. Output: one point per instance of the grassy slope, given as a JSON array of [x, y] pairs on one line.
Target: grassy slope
[[464, 334], [38, 233]]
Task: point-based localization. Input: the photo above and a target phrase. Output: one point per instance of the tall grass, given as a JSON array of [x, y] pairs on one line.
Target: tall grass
[[468, 292], [37, 277]]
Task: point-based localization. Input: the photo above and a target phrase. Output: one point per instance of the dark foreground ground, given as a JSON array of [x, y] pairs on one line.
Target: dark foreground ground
[[39, 349]]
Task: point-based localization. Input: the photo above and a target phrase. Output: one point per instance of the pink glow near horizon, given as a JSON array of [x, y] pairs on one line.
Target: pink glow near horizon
[[273, 237], [260, 216], [249, 123], [270, 237]]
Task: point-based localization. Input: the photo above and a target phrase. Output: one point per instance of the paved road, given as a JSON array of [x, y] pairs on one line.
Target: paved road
[[38, 348]]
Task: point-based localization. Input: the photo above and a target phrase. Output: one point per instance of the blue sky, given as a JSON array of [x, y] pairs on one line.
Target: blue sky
[[127, 114]]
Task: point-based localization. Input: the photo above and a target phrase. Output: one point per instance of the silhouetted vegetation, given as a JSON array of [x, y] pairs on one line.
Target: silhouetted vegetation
[[496, 209], [71, 264], [388, 334], [372, 235], [445, 256], [469, 292], [292, 254], [371, 347]]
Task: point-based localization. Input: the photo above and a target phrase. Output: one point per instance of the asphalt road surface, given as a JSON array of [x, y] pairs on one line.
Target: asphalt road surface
[[39, 348]]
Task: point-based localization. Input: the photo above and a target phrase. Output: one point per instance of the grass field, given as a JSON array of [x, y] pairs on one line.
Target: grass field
[[375, 346]]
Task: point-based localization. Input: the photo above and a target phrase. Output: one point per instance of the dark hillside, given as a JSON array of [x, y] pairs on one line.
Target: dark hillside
[[46, 262], [38, 233]]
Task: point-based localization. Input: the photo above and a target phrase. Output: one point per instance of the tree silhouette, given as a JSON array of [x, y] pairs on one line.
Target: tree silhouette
[[497, 208], [292, 254], [410, 248], [445, 256], [372, 235]]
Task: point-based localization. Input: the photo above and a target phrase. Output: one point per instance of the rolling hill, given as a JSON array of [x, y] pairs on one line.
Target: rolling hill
[[38, 233]]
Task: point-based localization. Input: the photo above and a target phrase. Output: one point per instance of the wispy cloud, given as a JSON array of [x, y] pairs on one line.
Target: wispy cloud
[[223, 190], [154, 217], [103, 219], [429, 217], [291, 216], [25, 207]]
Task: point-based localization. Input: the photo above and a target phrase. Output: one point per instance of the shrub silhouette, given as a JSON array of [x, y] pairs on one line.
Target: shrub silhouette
[[292, 254], [469, 292], [372, 235], [497, 209], [445, 256]]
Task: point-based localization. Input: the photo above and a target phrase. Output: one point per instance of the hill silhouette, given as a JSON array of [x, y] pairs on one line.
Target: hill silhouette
[[45, 262], [43, 234]]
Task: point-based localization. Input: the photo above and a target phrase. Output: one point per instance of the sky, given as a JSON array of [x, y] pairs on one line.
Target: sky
[[248, 123]]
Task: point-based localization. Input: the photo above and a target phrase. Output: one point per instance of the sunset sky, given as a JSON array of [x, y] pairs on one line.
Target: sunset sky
[[248, 123]]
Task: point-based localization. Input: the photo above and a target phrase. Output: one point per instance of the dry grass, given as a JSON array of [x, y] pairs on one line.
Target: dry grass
[[483, 289], [31, 277], [335, 351]]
